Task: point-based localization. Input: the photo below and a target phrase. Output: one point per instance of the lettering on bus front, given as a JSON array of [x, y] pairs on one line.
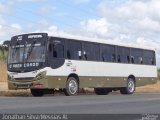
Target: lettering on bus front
[[34, 36], [25, 65]]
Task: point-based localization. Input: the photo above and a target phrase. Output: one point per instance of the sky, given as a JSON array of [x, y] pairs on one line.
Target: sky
[[132, 22]]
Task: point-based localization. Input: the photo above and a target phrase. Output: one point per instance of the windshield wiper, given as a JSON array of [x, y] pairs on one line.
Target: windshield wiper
[[16, 48], [30, 50]]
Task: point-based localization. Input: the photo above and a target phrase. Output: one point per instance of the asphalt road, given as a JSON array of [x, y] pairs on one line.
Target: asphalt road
[[85, 104]]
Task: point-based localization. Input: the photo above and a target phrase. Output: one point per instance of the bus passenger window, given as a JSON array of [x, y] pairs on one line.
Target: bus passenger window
[[55, 54], [85, 55], [152, 61], [119, 58], [128, 60], [103, 57], [132, 59], [58, 51], [113, 57], [68, 54], [140, 60], [50, 47], [80, 54], [73, 49]]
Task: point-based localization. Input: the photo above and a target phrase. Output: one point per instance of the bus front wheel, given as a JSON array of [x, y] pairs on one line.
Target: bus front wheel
[[71, 87], [102, 91], [130, 87], [37, 92]]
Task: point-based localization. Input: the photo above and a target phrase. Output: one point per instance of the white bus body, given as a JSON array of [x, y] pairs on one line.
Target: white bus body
[[69, 68]]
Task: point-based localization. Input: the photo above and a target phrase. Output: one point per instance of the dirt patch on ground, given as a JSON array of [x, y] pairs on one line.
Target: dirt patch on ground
[[3, 72], [14, 93], [149, 88], [5, 92]]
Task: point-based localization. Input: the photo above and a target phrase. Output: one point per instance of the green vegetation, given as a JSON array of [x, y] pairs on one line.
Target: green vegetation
[[3, 53]]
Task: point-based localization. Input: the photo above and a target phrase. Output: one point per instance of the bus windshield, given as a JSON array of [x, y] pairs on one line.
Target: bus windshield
[[26, 54], [15, 55]]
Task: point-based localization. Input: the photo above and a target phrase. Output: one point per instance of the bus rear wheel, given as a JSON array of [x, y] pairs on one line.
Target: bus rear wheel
[[130, 87], [37, 92], [102, 91], [71, 87]]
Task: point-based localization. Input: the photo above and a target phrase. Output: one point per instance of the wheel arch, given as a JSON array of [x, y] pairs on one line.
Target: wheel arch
[[133, 77], [75, 76]]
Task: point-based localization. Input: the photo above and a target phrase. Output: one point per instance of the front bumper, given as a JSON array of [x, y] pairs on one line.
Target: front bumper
[[26, 83]]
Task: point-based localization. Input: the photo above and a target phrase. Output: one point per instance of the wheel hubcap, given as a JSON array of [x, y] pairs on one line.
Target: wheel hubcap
[[73, 87], [131, 86]]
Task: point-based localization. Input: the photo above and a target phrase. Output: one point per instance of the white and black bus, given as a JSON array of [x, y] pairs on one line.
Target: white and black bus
[[44, 63]]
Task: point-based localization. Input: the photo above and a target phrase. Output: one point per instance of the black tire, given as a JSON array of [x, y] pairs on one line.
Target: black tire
[[130, 87], [72, 87], [48, 91], [102, 91], [37, 92]]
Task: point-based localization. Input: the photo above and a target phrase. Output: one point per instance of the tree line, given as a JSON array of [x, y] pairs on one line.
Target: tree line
[[3, 53]]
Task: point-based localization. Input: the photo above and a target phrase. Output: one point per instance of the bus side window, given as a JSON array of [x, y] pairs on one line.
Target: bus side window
[[85, 55], [102, 56], [68, 54], [128, 59], [73, 50], [80, 54], [123, 54], [132, 59], [113, 57], [141, 60], [58, 51], [149, 57], [119, 58], [50, 47], [152, 60], [55, 54], [108, 53], [91, 51]]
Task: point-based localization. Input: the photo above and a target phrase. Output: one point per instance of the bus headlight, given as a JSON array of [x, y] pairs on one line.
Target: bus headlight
[[41, 75], [9, 77]]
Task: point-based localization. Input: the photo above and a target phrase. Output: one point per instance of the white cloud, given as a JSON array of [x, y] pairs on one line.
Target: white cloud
[[46, 9], [149, 24], [29, 0], [16, 26], [2, 8], [55, 31], [5, 9], [8, 30], [131, 9], [96, 27], [43, 23], [81, 1], [135, 18], [2, 21], [53, 28]]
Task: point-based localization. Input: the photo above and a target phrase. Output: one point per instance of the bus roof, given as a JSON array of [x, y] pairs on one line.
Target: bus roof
[[97, 40], [88, 39]]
